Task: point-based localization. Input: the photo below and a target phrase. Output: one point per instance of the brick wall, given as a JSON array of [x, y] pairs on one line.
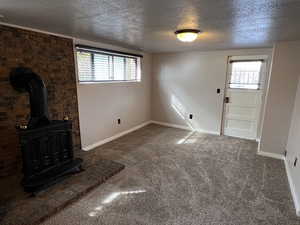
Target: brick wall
[[52, 58]]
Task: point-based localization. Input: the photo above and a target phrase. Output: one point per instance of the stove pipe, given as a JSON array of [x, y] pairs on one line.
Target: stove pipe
[[24, 79]]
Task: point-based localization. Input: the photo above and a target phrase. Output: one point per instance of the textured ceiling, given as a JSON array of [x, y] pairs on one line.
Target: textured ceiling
[[149, 24]]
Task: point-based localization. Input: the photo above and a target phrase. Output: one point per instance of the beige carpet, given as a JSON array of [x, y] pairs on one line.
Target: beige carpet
[[177, 177]]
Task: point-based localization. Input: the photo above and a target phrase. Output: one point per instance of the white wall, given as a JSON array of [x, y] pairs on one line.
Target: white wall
[[101, 104], [293, 143], [280, 97], [186, 83]]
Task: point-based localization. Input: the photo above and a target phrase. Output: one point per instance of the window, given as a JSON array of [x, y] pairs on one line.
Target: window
[[99, 65], [245, 74]]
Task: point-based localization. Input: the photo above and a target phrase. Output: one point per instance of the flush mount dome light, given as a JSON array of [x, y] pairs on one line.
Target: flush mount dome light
[[187, 35]]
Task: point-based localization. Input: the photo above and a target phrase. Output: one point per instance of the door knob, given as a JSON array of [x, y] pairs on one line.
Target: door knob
[[226, 99]]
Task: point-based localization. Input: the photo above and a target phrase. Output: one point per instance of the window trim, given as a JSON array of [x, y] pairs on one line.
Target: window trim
[[109, 52]]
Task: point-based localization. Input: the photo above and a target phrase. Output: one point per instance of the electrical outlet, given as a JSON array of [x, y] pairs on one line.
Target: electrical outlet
[[295, 162], [218, 90], [191, 116], [119, 121]]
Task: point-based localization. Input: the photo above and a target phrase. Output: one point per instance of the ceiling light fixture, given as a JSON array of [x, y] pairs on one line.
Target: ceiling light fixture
[[187, 35]]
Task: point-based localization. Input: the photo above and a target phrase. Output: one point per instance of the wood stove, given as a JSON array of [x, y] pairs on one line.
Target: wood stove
[[46, 145]]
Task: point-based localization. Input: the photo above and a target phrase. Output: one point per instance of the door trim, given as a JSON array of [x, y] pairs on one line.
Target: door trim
[[224, 95]]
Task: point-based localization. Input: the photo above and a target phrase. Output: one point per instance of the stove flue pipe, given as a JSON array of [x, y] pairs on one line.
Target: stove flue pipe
[[24, 79]]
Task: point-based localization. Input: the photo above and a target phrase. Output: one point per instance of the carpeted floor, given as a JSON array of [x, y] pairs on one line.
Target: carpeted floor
[[177, 177]]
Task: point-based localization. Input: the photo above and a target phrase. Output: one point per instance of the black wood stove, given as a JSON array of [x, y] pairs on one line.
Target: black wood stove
[[46, 145]]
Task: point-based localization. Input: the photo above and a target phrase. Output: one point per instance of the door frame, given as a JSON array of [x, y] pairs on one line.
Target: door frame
[[264, 80]]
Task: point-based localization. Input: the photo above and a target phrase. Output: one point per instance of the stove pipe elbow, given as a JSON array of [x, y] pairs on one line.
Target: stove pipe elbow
[[25, 80]]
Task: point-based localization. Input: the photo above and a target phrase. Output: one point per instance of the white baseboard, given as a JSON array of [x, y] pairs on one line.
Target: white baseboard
[[183, 127], [102, 142], [292, 188], [171, 125], [291, 183], [271, 155]]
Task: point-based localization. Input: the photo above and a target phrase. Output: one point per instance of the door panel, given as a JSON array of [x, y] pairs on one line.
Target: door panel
[[242, 113], [248, 98]]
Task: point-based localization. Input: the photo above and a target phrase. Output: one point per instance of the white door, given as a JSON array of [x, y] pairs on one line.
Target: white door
[[243, 97]]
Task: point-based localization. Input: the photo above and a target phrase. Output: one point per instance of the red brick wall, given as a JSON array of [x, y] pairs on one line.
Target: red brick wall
[[52, 58]]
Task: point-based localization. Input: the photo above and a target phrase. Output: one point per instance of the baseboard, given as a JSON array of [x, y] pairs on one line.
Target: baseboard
[[183, 127], [102, 142], [291, 183], [271, 155], [292, 188], [171, 125]]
